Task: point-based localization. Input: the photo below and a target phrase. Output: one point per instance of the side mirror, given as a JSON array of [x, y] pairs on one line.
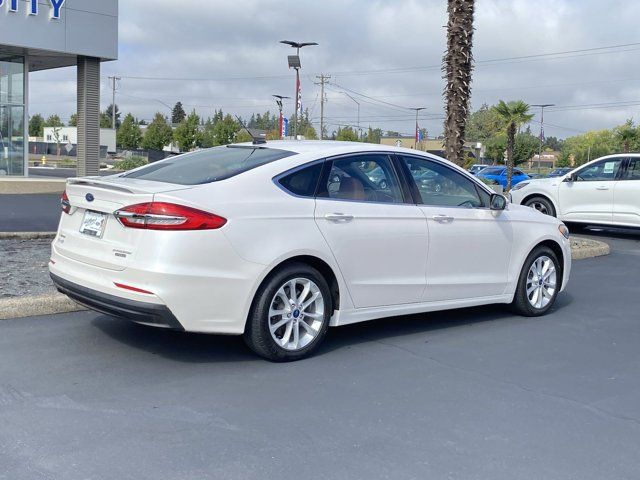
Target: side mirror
[[498, 202], [570, 178]]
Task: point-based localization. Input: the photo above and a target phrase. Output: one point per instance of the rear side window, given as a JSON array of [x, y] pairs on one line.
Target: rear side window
[[206, 166], [633, 172], [303, 182], [492, 171]]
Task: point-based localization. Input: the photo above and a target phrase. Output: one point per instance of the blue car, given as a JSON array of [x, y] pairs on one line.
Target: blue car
[[499, 174]]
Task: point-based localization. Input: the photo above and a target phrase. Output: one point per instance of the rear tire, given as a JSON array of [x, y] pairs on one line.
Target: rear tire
[[290, 314], [538, 284], [541, 204]]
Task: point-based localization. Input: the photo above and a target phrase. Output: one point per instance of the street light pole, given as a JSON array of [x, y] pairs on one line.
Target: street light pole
[[294, 62], [358, 104], [279, 99], [415, 141], [542, 107]]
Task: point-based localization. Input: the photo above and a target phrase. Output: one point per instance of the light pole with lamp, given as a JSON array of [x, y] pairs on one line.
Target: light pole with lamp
[[294, 62], [279, 99], [418, 109], [542, 107]]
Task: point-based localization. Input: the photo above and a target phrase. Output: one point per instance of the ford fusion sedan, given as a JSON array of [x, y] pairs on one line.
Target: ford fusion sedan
[[281, 240], [605, 191], [499, 175]]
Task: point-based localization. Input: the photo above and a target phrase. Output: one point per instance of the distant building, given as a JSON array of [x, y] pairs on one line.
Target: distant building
[[547, 160], [66, 135]]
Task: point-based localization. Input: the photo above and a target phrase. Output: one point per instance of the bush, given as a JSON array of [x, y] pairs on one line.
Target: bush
[[130, 163]]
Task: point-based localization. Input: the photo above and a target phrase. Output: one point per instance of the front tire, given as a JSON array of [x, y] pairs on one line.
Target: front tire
[[538, 284], [290, 314], [541, 204]]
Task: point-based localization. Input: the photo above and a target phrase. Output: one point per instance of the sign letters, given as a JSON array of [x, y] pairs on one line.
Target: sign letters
[[56, 7]]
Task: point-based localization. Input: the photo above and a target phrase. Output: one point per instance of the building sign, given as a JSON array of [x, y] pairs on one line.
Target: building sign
[[56, 6]]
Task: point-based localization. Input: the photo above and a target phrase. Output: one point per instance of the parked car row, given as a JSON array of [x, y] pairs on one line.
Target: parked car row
[[279, 241]]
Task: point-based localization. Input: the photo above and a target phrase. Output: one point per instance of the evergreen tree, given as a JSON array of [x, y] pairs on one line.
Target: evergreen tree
[[36, 126], [178, 114], [187, 134]]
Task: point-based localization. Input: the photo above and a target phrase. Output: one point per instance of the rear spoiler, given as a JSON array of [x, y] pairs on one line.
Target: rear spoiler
[[90, 182]]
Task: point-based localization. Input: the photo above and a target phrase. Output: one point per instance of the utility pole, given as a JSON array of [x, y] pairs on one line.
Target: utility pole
[[415, 142], [542, 107], [113, 79], [323, 79]]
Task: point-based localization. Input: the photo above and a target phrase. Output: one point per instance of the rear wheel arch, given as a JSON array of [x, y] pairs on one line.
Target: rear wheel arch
[[315, 262]]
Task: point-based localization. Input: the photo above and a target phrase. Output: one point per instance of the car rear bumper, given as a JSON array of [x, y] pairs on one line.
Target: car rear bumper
[[140, 312]]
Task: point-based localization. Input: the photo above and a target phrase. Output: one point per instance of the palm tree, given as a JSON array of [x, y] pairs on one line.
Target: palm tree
[[513, 114], [457, 68], [627, 134]]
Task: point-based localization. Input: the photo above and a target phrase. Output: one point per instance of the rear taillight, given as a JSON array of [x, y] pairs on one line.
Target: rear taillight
[[64, 203], [168, 216]]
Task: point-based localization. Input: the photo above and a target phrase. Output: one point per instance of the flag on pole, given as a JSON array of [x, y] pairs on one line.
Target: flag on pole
[[299, 106], [542, 133], [417, 133], [285, 128]]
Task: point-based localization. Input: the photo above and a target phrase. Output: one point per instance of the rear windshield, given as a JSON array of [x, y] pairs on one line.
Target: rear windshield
[[206, 166]]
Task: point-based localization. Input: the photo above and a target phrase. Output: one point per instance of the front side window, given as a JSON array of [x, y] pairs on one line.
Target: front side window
[[302, 182], [364, 178], [443, 186], [605, 170], [633, 171], [210, 165], [492, 171]]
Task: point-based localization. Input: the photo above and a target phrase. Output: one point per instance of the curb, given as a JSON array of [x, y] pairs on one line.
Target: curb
[[26, 235], [21, 307], [582, 248]]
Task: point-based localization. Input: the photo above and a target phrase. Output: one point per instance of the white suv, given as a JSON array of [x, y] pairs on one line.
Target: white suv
[[605, 191]]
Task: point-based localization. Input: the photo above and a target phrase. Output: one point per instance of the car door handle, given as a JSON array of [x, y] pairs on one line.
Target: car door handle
[[443, 218], [602, 187], [338, 217]]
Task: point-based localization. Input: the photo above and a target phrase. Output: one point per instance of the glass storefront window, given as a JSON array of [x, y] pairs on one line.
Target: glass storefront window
[[12, 128]]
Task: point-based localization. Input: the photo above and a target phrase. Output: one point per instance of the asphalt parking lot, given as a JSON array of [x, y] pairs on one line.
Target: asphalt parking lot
[[29, 213], [468, 394]]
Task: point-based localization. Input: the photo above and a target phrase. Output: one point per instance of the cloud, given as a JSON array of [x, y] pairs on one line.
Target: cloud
[[230, 52]]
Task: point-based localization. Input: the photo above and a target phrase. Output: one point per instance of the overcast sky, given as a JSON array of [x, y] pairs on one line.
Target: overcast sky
[[225, 54]]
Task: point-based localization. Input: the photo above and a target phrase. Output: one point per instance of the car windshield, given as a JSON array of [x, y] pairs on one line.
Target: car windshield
[[210, 165], [492, 171]]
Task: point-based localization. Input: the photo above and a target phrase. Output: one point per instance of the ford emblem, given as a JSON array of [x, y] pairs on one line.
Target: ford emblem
[[89, 197]]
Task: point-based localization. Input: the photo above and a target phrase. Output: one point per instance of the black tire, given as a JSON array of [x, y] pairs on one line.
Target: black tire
[[257, 334], [521, 304], [541, 204]]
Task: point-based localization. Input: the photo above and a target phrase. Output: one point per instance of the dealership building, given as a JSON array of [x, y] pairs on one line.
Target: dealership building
[[38, 35]]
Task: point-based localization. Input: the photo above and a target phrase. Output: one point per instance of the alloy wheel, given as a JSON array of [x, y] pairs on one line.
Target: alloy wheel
[[541, 207], [541, 282], [296, 313]]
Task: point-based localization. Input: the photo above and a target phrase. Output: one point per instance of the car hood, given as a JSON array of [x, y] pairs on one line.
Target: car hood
[[522, 213], [551, 181]]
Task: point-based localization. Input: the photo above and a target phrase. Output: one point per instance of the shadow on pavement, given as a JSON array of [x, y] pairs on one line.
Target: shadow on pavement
[[203, 348]]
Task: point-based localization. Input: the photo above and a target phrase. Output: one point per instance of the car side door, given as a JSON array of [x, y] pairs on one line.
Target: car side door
[[377, 235], [469, 244], [589, 196], [626, 195]]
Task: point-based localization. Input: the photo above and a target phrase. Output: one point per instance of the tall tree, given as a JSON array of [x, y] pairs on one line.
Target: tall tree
[[73, 120], [178, 114], [187, 135], [106, 117], [129, 134], [36, 126], [347, 134], [626, 135], [54, 121], [224, 131], [158, 134], [457, 68], [514, 115]]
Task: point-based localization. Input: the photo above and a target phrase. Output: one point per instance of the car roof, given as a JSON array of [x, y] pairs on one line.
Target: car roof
[[331, 147]]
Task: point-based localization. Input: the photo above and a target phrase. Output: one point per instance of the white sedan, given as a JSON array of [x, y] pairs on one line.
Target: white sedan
[[605, 191], [279, 241]]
